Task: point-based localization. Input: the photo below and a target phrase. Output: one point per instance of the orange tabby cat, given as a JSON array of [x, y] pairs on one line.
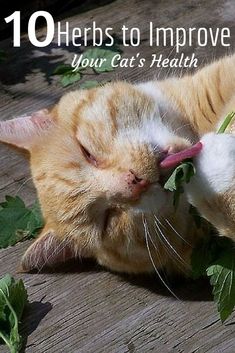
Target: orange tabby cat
[[95, 161]]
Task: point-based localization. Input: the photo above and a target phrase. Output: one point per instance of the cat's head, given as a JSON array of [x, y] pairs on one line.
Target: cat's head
[[95, 156]]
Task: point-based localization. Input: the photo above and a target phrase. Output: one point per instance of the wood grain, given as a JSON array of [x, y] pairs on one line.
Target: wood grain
[[83, 308]]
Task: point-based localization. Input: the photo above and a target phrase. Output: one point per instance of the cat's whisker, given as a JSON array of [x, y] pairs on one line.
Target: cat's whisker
[[152, 261], [22, 185], [169, 244], [165, 247], [181, 127], [178, 262], [164, 115], [159, 222], [177, 233], [163, 243], [153, 243]]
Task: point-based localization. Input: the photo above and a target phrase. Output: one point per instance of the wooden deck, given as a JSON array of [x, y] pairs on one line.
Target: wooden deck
[[82, 308]]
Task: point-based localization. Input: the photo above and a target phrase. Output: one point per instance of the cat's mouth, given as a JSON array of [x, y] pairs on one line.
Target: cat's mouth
[[172, 160], [155, 198]]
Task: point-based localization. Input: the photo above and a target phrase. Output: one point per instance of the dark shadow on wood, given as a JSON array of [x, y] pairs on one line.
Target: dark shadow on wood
[[31, 59], [32, 317], [184, 289]]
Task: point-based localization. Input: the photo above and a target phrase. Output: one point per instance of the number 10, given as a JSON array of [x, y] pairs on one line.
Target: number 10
[[15, 17]]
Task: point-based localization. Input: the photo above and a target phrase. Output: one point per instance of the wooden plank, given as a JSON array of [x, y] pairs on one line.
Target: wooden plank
[[83, 308]]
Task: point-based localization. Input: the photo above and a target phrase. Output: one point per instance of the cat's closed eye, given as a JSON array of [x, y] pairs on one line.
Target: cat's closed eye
[[88, 156]]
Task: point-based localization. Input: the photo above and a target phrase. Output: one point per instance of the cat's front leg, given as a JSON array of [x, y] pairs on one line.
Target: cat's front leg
[[212, 189]]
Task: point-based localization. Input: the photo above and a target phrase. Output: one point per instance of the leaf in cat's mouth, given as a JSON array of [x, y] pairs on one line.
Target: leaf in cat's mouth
[[173, 160]]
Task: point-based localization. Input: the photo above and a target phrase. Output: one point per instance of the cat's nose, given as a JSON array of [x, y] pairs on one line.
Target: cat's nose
[[136, 185]]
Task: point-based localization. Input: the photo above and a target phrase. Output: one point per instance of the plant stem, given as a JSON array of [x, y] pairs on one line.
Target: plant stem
[[12, 310], [226, 123], [7, 342]]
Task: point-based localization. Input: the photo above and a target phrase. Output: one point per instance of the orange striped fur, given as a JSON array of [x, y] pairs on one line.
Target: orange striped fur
[[87, 208]]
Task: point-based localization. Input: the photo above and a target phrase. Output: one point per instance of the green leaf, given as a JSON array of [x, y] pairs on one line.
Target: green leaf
[[11, 201], [35, 222], [99, 53], [222, 278], [215, 257], [226, 123], [182, 174], [70, 78], [89, 84], [62, 69], [13, 298], [17, 222]]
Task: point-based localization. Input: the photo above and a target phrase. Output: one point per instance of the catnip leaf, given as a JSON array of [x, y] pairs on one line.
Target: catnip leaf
[[229, 120], [89, 84], [98, 53], [11, 201], [182, 174], [214, 256], [70, 78], [62, 69], [13, 298], [17, 222], [222, 278], [35, 221]]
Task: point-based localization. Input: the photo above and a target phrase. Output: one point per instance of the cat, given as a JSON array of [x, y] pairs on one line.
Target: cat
[[95, 161]]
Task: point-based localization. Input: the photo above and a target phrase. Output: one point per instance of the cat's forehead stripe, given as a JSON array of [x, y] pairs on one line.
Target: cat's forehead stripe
[[106, 110], [86, 101], [112, 107], [91, 102]]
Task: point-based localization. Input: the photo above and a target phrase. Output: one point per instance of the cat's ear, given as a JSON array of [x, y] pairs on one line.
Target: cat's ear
[[47, 251], [23, 132]]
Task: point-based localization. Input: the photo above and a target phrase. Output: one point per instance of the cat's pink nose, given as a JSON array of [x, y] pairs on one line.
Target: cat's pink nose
[[136, 185]]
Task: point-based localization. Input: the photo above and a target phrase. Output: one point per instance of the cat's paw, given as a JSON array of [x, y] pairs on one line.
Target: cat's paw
[[215, 166]]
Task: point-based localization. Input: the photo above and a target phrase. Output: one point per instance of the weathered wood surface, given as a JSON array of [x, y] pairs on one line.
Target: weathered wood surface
[[83, 308]]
